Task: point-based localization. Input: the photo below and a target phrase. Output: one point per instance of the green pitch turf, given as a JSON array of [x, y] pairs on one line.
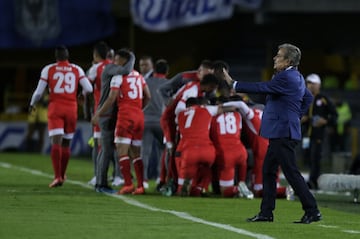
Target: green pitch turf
[[29, 209]]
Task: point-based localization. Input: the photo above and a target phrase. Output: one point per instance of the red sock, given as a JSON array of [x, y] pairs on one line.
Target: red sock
[[230, 192], [242, 171], [65, 156], [139, 171], [125, 169], [56, 159]]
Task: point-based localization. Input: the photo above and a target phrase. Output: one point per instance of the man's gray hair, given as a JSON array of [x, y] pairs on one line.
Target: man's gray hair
[[292, 53]]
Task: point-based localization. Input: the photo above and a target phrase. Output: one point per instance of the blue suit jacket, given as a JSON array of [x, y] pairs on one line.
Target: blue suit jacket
[[287, 100]]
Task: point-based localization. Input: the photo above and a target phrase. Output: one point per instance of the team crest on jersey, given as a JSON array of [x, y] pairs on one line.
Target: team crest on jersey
[[37, 20]]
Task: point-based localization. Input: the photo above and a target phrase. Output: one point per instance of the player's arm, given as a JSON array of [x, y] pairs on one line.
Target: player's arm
[[147, 96], [84, 82], [223, 109], [92, 73], [109, 102], [171, 86], [189, 93], [115, 84], [122, 70], [37, 94], [243, 108], [219, 109], [87, 88]]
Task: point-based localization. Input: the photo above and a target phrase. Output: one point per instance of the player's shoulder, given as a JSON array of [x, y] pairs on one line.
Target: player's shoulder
[[135, 73], [75, 66]]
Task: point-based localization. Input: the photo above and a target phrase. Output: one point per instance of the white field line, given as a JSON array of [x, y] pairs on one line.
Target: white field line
[[183, 215], [136, 203]]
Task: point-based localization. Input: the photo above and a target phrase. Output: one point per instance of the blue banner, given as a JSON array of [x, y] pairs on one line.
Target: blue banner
[[47, 23], [164, 15]]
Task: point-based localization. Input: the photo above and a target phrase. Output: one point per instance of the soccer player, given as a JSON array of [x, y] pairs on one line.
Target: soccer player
[[62, 79], [100, 60], [172, 92], [197, 149], [172, 86], [225, 134], [130, 91], [107, 122]]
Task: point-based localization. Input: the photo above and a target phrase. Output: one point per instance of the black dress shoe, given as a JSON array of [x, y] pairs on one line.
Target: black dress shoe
[[307, 219], [260, 218]]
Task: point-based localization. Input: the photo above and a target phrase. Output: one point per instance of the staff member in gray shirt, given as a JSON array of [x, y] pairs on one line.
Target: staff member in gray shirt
[[107, 123], [152, 143]]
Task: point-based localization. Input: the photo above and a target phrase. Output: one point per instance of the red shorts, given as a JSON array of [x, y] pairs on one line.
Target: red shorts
[[227, 158], [192, 156], [129, 129], [62, 120], [96, 131]]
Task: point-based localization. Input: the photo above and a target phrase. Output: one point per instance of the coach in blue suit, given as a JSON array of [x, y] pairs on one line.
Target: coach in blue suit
[[287, 100]]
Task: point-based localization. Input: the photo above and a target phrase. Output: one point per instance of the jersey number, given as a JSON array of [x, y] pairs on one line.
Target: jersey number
[[65, 82], [227, 123], [136, 90], [189, 117]]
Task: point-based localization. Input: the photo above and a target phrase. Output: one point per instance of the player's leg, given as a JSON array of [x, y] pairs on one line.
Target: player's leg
[[56, 154]]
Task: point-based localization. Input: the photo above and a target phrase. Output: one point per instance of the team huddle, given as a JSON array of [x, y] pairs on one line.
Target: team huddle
[[207, 128]]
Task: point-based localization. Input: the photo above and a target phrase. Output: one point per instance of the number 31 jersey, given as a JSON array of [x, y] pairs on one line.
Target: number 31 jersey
[[130, 92], [63, 79]]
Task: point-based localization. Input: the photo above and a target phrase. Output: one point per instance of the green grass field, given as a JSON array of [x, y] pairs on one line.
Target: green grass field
[[29, 209]]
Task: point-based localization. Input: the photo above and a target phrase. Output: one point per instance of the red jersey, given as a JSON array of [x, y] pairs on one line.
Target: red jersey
[[95, 77], [252, 129], [191, 89], [226, 129], [194, 125], [167, 120], [63, 79], [131, 87]]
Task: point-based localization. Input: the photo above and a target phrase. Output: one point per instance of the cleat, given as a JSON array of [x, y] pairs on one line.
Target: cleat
[[185, 188], [139, 191], [105, 189], [169, 188], [92, 181], [126, 189], [160, 186], [56, 183], [244, 191], [117, 181], [146, 184]]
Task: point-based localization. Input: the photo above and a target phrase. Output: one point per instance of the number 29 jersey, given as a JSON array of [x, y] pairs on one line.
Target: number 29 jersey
[[63, 79]]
